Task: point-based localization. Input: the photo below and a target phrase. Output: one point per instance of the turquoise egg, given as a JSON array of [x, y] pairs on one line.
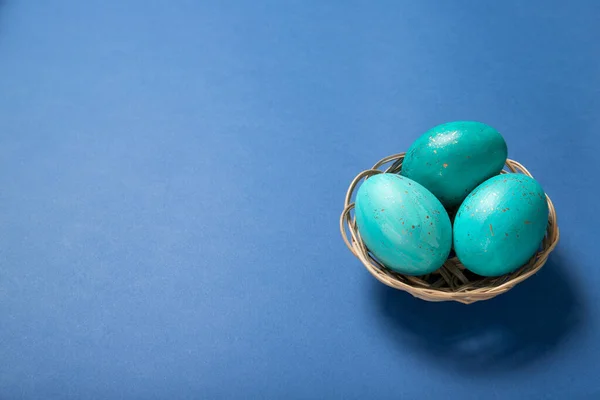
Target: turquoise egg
[[501, 224], [403, 224], [451, 159]]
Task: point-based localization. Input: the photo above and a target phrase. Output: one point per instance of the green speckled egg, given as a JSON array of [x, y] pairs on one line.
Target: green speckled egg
[[453, 158], [501, 224], [403, 224]]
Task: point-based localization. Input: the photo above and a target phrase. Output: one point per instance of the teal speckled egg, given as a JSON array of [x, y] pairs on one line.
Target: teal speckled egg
[[453, 158], [403, 224], [501, 224]]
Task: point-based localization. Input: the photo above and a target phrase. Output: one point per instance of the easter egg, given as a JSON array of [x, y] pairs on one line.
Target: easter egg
[[402, 224], [501, 224], [451, 159]]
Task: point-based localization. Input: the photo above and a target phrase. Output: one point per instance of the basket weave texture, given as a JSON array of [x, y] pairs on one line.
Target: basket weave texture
[[452, 282]]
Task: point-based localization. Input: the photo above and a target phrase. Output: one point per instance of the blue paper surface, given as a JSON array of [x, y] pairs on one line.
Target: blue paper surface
[[172, 174]]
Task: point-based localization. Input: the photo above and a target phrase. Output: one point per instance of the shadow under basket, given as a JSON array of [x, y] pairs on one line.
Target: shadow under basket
[[451, 282]]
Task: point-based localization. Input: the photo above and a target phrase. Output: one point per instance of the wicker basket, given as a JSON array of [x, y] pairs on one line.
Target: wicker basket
[[451, 282]]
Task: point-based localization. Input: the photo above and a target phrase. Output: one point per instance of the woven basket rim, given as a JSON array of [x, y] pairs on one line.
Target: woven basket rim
[[448, 283]]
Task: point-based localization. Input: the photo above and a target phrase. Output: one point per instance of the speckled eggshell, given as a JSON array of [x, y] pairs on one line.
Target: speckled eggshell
[[451, 159], [403, 224], [501, 224]]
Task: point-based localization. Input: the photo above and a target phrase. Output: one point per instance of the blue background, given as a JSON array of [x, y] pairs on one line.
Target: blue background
[[172, 173]]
